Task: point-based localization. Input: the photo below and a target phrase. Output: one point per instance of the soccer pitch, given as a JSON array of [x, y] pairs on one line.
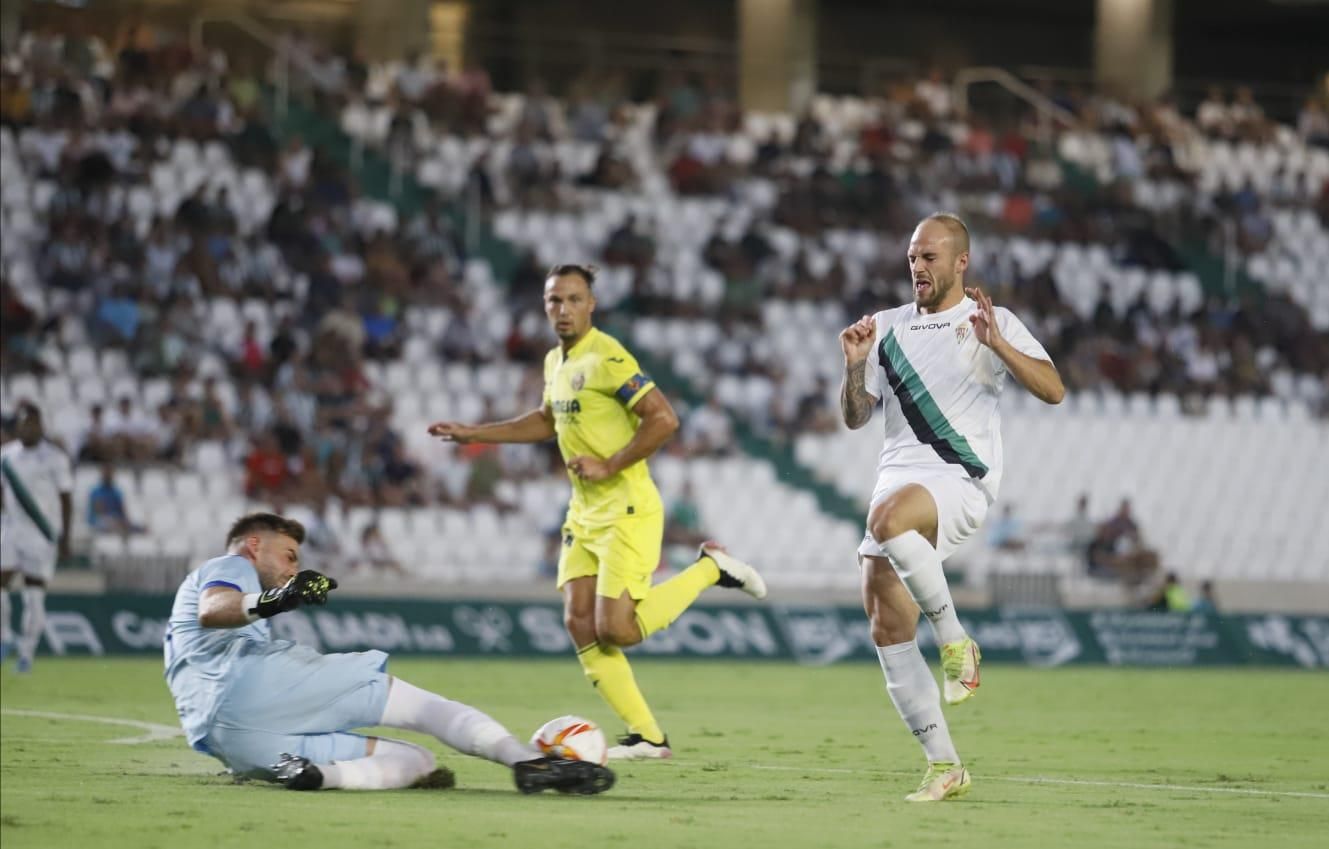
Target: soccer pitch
[[768, 755]]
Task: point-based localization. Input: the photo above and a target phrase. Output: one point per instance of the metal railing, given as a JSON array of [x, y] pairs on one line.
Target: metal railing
[[1280, 101], [1047, 110], [142, 573], [281, 55]]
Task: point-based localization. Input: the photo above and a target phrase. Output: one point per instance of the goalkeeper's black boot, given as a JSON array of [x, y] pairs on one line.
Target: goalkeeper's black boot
[[579, 777], [296, 773]]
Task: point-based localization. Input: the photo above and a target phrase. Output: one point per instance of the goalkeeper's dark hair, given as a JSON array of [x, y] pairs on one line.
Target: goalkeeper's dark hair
[[585, 272], [254, 522]]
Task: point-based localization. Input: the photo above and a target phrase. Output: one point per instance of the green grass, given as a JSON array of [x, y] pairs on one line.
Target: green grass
[[771, 755]]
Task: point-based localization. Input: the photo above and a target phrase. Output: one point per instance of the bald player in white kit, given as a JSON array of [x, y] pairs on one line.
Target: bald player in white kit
[[938, 366]]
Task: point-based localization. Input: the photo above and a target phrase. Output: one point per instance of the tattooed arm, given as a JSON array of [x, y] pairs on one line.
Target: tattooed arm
[[856, 402]]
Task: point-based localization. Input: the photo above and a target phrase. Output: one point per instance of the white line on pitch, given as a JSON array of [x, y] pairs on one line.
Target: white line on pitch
[[1023, 779], [154, 731]]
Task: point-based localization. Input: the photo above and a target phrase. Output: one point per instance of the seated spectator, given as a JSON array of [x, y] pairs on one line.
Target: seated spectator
[[214, 420], [400, 479], [460, 343], [1313, 123], [1246, 115], [708, 429], [1007, 532], [341, 330], [176, 431], [1079, 530], [106, 507], [95, 443], [266, 472], [117, 319], [627, 246], [322, 550], [1212, 115], [307, 481], [814, 412], [285, 344], [1118, 550], [934, 93], [383, 330], [375, 553], [485, 472], [22, 329], [1171, 596], [134, 434], [683, 521], [553, 552], [254, 410], [1207, 602], [249, 360]]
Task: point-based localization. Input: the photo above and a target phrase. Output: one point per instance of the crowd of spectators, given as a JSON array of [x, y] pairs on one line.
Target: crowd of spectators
[[287, 392], [1111, 549], [876, 168], [297, 409]]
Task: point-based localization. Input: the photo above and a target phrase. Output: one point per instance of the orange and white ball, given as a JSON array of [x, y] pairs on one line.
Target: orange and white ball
[[572, 738]]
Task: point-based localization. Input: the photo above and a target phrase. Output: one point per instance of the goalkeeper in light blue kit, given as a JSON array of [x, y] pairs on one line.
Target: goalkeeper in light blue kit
[[284, 712]]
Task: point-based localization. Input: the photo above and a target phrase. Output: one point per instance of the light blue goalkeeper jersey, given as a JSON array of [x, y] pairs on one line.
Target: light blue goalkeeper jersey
[[200, 662]]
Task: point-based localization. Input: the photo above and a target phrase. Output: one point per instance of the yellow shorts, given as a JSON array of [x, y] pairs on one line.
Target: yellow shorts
[[622, 556]]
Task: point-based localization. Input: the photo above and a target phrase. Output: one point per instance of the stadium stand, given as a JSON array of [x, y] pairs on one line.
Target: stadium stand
[[284, 338]]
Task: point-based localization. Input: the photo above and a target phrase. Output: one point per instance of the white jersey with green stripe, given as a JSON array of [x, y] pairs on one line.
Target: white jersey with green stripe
[[33, 479], [941, 388]]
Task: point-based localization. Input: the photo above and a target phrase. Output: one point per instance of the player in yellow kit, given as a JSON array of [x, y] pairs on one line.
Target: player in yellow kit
[[609, 417]]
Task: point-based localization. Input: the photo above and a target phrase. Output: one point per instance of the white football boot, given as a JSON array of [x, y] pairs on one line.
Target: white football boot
[[634, 747], [734, 572]]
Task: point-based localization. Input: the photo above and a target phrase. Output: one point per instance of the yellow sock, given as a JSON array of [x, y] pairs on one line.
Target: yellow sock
[[608, 670], [667, 601]]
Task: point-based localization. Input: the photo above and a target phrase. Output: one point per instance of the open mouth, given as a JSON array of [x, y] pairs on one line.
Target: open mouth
[[922, 287]]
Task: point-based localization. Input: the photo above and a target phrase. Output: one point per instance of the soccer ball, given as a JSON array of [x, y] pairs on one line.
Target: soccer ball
[[572, 738]]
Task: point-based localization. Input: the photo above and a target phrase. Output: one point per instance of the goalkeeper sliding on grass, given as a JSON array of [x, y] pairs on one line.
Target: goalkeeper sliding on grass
[[277, 710]]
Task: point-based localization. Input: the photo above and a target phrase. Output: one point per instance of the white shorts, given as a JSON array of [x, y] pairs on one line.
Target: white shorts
[[962, 505], [27, 552]]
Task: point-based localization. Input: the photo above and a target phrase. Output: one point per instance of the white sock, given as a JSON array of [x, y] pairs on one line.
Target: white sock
[[460, 726], [919, 568], [393, 765], [34, 619], [914, 692], [6, 614]]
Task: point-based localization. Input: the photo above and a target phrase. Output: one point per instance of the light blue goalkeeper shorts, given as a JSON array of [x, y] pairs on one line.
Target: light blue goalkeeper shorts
[[298, 701]]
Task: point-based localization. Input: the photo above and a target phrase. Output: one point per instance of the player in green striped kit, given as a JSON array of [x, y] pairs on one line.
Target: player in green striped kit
[[35, 479], [938, 367]]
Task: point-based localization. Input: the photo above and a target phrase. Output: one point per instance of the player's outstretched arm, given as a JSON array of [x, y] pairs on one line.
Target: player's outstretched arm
[[1039, 376], [658, 423], [856, 402], [535, 426], [223, 607]]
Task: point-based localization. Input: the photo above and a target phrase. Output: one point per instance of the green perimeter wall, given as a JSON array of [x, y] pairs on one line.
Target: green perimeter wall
[[134, 624]]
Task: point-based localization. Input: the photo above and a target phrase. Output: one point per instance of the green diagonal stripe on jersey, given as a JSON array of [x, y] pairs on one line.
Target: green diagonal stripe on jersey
[[26, 501], [922, 412]]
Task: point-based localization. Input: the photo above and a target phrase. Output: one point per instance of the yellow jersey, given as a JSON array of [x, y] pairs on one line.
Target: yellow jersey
[[591, 391]]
